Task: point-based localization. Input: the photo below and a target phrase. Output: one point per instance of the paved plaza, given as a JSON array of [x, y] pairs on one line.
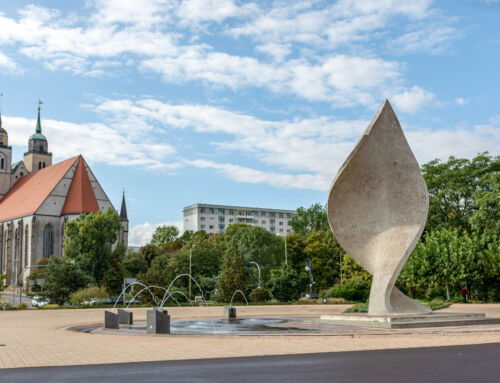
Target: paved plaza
[[32, 338]]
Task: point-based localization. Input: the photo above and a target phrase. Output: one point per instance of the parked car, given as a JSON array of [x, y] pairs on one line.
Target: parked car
[[38, 301], [312, 296]]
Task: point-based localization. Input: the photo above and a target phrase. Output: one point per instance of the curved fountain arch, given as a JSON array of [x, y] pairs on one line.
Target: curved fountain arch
[[241, 292], [149, 289], [173, 281], [124, 290], [171, 295]]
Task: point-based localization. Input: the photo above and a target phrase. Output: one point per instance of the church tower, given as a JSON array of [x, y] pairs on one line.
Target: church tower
[[37, 157], [5, 161], [124, 222]]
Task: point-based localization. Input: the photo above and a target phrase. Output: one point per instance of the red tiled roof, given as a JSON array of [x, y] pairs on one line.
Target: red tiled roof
[[81, 197], [29, 193]]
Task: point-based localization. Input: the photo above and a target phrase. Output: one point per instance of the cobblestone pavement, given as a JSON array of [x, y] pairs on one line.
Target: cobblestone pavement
[[32, 338]]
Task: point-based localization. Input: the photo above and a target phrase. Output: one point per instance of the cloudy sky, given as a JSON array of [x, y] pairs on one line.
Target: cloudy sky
[[251, 103]]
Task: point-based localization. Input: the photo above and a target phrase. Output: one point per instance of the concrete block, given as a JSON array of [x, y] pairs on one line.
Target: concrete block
[[111, 320], [158, 322], [229, 312], [125, 317]]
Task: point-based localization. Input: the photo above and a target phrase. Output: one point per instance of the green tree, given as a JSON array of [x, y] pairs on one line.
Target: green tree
[[309, 220], [63, 277], [234, 274], [325, 255], [115, 273], [287, 284], [149, 252], [296, 244], [164, 234], [256, 244], [452, 189], [89, 239], [134, 264]]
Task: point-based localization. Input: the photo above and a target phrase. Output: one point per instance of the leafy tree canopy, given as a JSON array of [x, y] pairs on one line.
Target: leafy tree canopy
[[309, 220]]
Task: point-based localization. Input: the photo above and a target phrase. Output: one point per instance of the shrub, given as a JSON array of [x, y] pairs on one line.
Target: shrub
[[85, 295], [354, 290], [260, 294], [287, 284], [359, 308]]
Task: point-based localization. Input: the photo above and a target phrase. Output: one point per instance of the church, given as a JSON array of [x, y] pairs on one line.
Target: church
[[38, 198]]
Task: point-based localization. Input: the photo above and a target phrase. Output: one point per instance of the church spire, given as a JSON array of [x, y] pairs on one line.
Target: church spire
[[123, 210], [38, 123]]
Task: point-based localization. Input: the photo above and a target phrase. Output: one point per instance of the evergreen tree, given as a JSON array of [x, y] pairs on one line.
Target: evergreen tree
[[234, 275]]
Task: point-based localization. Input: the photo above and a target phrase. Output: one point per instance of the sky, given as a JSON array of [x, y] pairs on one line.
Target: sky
[[252, 103]]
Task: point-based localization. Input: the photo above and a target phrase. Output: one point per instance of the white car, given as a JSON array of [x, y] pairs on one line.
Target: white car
[[38, 301]]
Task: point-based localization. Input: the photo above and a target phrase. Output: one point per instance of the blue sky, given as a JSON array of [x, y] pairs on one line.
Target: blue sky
[[243, 103]]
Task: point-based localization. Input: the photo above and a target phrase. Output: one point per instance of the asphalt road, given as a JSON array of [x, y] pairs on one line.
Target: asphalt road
[[471, 364]]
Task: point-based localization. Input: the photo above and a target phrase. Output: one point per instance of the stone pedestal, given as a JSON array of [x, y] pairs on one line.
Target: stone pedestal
[[158, 322], [408, 321], [229, 312], [111, 320], [125, 317]]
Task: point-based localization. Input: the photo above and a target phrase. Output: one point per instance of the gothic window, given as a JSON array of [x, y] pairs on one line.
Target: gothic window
[[48, 240], [41, 148], [26, 247], [2, 163], [39, 165]]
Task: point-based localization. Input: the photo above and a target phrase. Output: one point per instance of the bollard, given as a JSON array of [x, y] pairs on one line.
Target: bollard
[[111, 320], [125, 317], [229, 312], [158, 322]]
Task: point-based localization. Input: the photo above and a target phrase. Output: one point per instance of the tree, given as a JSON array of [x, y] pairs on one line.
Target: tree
[[164, 234], [234, 275], [452, 189], [309, 220], [115, 273], [134, 264], [89, 239], [84, 295], [149, 252], [256, 244], [63, 278], [295, 244], [287, 284], [325, 255]]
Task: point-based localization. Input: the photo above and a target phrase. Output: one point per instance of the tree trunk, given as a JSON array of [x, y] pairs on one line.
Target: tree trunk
[[448, 298]]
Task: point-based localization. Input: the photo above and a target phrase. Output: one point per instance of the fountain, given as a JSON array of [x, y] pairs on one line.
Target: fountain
[[230, 311]]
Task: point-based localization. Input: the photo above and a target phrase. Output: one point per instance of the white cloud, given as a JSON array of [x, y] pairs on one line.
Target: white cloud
[[461, 101], [431, 40], [140, 235], [7, 64], [410, 101], [101, 143]]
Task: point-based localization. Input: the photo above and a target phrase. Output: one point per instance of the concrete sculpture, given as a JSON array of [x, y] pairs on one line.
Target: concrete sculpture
[[377, 209]]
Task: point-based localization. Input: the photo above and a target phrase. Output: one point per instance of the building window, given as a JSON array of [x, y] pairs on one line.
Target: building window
[[202, 227], [281, 230], [231, 220], [271, 221], [2, 163], [211, 227], [222, 211], [280, 223], [263, 222], [272, 215], [280, 215], [211, 211], [221, 227], [288, 215], [48, 241], [288, 231], [272, 229], [231, 212], [221, 218], [202, 210], [39, 165], [202, 218]]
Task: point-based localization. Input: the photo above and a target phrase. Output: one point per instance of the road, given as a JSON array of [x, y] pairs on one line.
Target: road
[[477, 363]]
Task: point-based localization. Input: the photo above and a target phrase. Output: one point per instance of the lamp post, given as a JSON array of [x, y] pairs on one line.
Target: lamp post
[[341, 258], [311, 281], [258, 269], [190, 264]]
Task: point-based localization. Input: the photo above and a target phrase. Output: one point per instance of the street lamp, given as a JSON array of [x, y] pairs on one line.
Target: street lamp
[[190, 276], [258, 269], [311, 281]]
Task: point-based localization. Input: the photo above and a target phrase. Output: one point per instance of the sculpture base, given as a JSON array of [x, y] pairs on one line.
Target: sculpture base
[[409, 321]]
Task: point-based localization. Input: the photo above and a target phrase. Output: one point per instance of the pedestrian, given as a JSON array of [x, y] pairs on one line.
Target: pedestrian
[[464, 293]]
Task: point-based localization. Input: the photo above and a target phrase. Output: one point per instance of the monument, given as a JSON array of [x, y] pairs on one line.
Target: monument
[[377, 210]]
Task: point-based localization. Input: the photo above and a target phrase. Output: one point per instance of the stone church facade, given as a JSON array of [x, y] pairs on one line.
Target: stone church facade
[[37, 199]]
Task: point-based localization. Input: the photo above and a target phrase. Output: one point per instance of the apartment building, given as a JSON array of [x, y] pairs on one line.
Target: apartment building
[[217, 218]]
